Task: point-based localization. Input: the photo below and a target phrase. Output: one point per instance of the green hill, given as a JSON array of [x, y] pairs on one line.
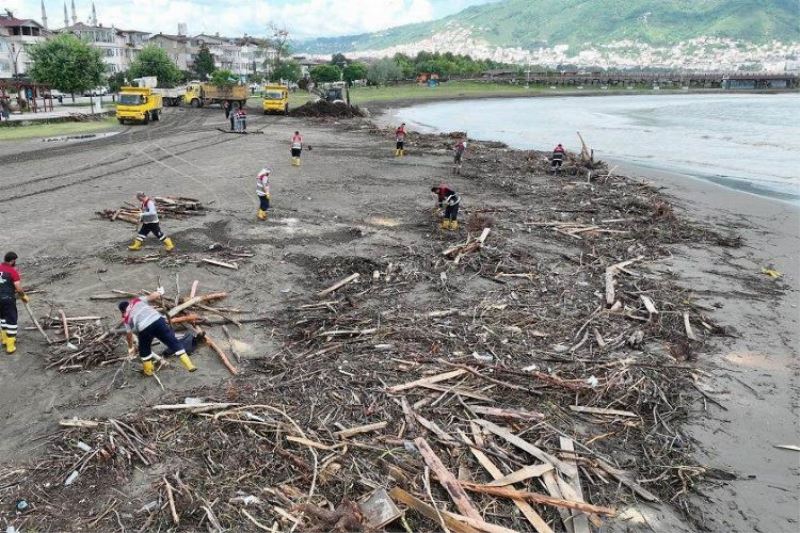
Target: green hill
[[534, 23]]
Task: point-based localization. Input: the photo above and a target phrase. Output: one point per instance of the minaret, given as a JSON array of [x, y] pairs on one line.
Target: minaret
[[66, 17], [44, 16], [94, 16], [74, 14]]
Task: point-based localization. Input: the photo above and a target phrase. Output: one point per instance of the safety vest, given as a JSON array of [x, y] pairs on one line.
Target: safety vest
[[262, 183], [149, 217]]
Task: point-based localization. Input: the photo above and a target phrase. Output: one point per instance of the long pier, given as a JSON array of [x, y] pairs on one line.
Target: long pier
[[721, 80]]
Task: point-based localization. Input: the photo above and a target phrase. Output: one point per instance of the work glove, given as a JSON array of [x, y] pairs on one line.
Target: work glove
[[24, 298], [160, 291], [268, 197]]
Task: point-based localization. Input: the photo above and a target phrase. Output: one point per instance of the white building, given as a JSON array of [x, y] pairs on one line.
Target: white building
[[16, 35], [177, 47]]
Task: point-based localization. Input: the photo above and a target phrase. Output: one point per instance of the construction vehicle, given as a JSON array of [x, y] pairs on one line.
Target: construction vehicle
[[171, 96], [334, 92], [204, 94], [138, 104], [276, 99]]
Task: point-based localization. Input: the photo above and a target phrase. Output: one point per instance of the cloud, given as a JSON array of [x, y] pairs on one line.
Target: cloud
[[303, 18]]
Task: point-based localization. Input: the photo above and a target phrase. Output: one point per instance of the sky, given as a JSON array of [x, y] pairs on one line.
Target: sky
[[233, 18]]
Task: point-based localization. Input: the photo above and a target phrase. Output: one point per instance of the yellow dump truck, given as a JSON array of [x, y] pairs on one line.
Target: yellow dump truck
[[138, 104], [276, 99], [204, 94]]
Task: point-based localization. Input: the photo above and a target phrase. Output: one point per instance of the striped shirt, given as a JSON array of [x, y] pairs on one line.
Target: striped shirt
[[139, 315], [262, 184], [149, 214]]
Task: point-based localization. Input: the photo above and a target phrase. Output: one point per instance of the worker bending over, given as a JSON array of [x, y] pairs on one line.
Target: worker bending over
[[149, 219], [400, 139], [558, 158], [297, 148], [141, 318], [449, 200], [10, 286], [262, 190], [458, 155]]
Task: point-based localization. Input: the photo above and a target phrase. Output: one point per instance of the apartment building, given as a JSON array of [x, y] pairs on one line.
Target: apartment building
[[16, 35]]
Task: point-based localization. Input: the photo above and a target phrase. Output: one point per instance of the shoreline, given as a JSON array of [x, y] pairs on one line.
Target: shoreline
[[786, 193], [382, 106]]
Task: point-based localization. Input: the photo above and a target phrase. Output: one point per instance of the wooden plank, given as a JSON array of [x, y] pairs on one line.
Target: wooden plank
[[551, 483], [339, 284], [519, 414], [310, 443], [457, 391], [580, 522], [223, 264], [649, 305], [601, 411], [345, 433], [434, 428], [447, 480], [197, 299], [480, 524], [505, 492], [688, 326], [525, 508], [426, 381], [430, 512], [527, 447], [526, 472]]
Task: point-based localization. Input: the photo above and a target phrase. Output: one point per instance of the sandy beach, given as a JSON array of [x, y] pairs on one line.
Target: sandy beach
[[353, 207]]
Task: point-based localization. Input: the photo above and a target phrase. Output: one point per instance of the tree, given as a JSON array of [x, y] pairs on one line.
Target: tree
[[289, 70], [66, 63], [279, 42], [224, 78], [117, 81], [154, 61], [382, 71], [354, 71], [326, 73], [339, 60], [204, 63]]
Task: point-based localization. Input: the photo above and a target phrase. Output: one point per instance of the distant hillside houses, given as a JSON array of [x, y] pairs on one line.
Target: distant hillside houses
[[119, 47]]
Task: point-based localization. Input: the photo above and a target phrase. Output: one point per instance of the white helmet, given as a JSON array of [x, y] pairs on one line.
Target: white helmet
[[265, 172]]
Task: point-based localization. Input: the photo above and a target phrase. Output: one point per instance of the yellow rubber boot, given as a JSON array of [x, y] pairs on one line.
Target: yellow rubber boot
[[148, 368], [445, 224], [187, 363], [454, 225], [11, 344], [397, 152], [262, 215], [402, 153], [136, 245], [3, 337], [168, 246]]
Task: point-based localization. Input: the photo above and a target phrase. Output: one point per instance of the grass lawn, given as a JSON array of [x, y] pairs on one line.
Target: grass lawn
[[11, 133]]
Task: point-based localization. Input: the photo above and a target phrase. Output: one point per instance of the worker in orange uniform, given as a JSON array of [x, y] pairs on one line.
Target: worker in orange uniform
[[296, 148], [262, 190], [10, 287], [400, 140]]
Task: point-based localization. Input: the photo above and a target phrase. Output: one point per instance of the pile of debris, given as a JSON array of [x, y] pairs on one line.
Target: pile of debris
[[323, 108], [534, 377], [87, 342], [168, 207]]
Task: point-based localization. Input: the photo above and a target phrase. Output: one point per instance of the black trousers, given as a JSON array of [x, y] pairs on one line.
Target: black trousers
[[451, 212], [400, 145], [158, 330], [8, 316], [263, 203], [152, 227], [296, 152]]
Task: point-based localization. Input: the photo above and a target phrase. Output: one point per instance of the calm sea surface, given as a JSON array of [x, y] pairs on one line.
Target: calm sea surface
[[747, 142]]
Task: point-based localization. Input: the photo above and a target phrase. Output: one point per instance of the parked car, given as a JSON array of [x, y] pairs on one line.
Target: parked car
[[97, 91], [55, 94]]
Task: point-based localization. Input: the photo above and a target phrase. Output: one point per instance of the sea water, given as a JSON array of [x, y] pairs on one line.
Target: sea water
[[745, 141]]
